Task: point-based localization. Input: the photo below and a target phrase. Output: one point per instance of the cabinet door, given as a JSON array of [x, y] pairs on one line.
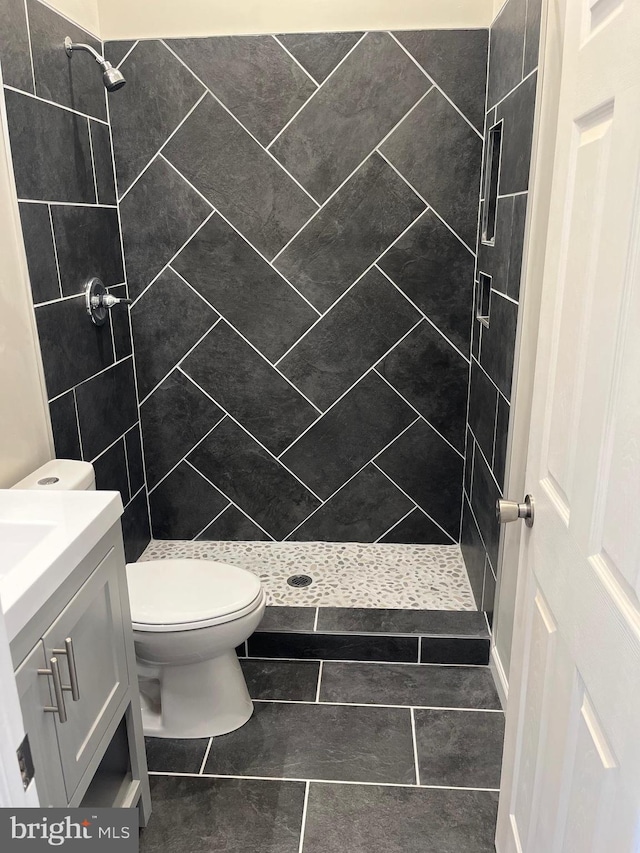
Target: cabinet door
[[36, 695], [93, 622]]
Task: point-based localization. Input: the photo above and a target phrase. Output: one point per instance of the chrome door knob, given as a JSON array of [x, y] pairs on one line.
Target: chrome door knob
[[507, 511]]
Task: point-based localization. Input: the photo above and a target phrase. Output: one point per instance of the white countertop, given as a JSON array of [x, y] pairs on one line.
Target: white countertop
[[43, 537]]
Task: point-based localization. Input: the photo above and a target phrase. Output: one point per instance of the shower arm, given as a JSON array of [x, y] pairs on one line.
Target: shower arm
[[70, 46]]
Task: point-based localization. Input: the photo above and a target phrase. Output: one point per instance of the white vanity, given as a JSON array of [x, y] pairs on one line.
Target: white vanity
[[64, 595]]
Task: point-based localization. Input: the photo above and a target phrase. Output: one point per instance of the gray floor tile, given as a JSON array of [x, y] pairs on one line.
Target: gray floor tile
[[281, 679], [318, 742], [454, 623], [232, 815], [459, 748], [409, 684], [281, 618], [373, 819], [170, 755]]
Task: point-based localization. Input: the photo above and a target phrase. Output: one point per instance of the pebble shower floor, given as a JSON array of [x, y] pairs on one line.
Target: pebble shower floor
[[344, 574]]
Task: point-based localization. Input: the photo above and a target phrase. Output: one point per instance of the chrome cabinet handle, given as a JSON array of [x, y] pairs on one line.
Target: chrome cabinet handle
[[73, 672], [59, 707]]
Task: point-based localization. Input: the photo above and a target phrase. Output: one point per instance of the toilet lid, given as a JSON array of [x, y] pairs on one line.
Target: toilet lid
[[182, 594]]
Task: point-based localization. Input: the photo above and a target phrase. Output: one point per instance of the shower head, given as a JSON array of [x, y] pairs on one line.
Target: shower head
[[111, 77]]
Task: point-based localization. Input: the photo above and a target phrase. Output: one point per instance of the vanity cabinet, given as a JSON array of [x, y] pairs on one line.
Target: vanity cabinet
[[78, 689]]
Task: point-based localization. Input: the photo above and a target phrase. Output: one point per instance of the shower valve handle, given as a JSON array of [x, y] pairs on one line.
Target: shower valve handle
[[98, 301]]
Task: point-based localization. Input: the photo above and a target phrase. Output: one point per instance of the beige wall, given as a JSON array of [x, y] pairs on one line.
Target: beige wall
[[83, 12], [25, 434], [122, 19]]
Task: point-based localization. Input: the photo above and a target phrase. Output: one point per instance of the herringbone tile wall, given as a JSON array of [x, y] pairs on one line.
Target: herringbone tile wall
[[299, 219]]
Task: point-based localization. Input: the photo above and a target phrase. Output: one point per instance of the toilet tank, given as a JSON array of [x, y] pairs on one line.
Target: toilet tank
[[64, 474]]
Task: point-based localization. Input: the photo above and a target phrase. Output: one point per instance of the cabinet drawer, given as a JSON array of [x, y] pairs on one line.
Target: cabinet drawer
[[93, 622]]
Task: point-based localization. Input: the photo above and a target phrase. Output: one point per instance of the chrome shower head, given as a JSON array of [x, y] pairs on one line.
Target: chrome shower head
[[111, 77]]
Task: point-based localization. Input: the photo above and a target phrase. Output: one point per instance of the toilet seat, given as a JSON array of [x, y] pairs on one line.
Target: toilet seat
[[187, 594]]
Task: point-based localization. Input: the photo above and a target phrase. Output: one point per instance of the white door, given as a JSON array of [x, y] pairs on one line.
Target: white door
[[571, 775]]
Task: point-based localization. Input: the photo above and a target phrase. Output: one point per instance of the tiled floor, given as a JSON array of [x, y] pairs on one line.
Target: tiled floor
[[345, 574], [338, 758]]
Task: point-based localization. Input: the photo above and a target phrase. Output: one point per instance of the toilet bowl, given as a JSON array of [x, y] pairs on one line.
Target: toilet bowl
[[188, 618]]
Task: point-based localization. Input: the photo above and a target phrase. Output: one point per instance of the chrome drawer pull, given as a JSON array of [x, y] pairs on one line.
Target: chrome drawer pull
[[59, 707], [73, 672]]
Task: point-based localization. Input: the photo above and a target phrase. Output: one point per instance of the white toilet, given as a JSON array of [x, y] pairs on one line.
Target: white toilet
[[188, 618]]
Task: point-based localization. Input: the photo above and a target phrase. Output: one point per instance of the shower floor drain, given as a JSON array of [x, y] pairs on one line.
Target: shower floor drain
[[299, 580]]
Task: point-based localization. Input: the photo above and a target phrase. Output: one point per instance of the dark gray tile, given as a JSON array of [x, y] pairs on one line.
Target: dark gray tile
[[499, 342], [73, 349], [430, 471], [115, 51], [120, 324], [173, 755], [357, 331], [350, 232], [107, 407], [237, 176], [348, 435], [494, 259], [167, 320], [408, 684], [151, 241], [489, 592], [245, 289], [456, 60], [468, 461], [103, 162], [455, 623], [233, 525], [318, 742], [42, 134], [360, 512], [473, 553], [14, 46], [183, 504], [144, 113], [252, 76], [111, 471], [280, 618], [417, 529], [38, 245], [506, 50], [516, 246], [253, 479], [319, 53], [249, 388], [282, 679], [174, 418], [500, 450], [64, 426], [363, 818], [234, 815], [366, 97], [459, 748], [517, 111], [71, 81], [135, 527], [464, 650], [433, 377], [88, 244], [485, 495], [273, 644], [135, 462], [435, 270], [483, 401], [532, 35], [441, 156]]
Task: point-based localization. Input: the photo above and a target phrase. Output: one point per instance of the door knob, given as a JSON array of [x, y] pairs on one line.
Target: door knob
[[507, 511]]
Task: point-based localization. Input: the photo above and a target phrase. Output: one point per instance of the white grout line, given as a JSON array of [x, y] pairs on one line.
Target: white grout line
[[206, 755], [406, 707], [54, 103], [303, 823], [65, 203], [184, 459], [323, 781], [319, 681], [315, 620], [75, 406], [396, 523], [126, 56], [171, 135], [209, 523], [415, 745], [504, 296], [89, 378], [511, 91], [28, 23], [297, 62], [93, 162], [55, 253], [380, 662]]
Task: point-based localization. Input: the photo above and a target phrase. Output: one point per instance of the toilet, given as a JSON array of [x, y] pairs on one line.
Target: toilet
[[188, 618]]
